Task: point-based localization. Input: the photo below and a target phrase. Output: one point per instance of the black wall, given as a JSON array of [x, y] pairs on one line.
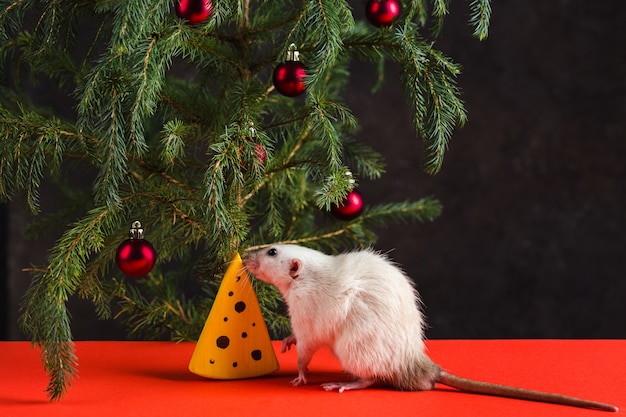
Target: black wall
[[532, 238], [531, 241]]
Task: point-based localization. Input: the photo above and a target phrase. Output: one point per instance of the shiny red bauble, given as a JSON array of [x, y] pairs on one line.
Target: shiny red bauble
[[382, 12], [289, 77], [350, 208], [194, 11], [260, 153], [135, 257]]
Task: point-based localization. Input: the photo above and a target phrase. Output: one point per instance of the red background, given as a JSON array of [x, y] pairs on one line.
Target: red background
[[151, 379]]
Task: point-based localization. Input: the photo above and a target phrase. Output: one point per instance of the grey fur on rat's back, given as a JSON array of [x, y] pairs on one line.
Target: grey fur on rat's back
[[367, 311]]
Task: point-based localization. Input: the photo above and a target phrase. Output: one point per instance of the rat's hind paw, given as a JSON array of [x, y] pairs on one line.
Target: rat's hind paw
[[343, 386]]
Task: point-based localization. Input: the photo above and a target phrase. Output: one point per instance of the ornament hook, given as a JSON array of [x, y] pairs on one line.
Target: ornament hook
[[136, 231], [292, 53], [252, 131]]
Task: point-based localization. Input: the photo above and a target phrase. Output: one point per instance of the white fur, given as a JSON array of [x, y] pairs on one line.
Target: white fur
[[359, 304]]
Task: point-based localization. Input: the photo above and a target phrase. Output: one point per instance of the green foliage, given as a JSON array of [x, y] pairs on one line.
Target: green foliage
[[169, 121], [480, 17]]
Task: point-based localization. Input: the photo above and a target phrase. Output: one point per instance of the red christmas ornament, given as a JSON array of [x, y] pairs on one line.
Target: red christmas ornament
[[194, 11], [260, 152], [382, 12], [289, 76], [350, 208], [135, 256]]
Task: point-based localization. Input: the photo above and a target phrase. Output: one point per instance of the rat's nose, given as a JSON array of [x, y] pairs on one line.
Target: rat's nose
[[250, 262]]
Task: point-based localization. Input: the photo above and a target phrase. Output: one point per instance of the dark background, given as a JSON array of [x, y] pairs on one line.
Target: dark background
[[532, 238]]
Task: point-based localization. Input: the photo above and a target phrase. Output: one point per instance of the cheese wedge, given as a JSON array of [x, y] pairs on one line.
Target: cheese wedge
[[234, 343]]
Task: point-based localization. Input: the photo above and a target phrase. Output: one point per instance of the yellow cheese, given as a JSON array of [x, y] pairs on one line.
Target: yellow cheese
[[234, 342]]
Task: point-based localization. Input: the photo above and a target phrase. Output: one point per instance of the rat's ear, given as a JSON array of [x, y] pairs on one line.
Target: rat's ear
[[294, 268]]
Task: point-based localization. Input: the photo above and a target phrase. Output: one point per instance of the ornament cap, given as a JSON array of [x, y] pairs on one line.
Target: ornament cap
[[292, 53], [136, 231]]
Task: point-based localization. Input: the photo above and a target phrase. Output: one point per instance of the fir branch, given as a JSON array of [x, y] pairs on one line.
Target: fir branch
[[322, 117], [44, 313], [291, 150], [419, 8], [50, 22], [304, 240], [324, 19], [158, 309], [272, 309], [431, 90], [223, 191], [92, 288], [11, 16], [135, 20], [439, 12], [151, 58], [172, 144], [270, 17], [210, 51], [46, 319], [366, 161], [113, 156], [480, 15], [433, 95], [275, 213], [31, 144], [51, 61], [148, 319], [149, 80], [423, 210], [357, 230]]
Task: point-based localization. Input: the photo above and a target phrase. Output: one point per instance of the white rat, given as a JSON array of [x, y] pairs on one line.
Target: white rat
[[368, 312]]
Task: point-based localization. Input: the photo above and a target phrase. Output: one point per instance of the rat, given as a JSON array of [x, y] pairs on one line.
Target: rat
[[367, 311]]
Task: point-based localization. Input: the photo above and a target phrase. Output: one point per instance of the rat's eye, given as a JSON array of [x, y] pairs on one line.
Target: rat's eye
[[272, 252]]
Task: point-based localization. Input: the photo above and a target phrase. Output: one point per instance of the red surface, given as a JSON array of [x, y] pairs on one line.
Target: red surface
[[151, 379]]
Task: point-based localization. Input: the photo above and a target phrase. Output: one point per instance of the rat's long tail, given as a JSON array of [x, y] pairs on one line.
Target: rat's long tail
[[486, 388]]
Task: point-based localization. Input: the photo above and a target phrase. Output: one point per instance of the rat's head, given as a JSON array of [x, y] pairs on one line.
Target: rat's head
[[278, 265]]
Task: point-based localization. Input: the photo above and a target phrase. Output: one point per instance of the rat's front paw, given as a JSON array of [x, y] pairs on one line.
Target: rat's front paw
[[287, 342], [298, 381]]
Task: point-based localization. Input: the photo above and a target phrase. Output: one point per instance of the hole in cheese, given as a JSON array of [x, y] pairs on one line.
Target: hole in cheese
[[240, 307], [222, 342]]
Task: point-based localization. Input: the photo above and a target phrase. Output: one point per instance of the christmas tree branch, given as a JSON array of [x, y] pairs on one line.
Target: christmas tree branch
[[433, 96], [419, 7], [327, 18], [439, 12], [44, 313], [301, 138], [423, 210], [31, 143], [150, 318], [9, 9], [46, 319], [147, 94], [169, 179], [480, 16]]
